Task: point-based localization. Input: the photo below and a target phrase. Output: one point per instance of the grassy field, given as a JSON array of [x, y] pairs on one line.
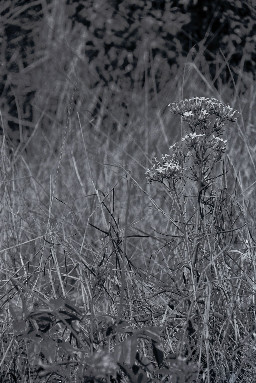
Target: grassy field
[[105, 276]]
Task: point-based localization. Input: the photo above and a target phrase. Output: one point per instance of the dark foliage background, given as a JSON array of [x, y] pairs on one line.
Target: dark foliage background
[[127, 48]]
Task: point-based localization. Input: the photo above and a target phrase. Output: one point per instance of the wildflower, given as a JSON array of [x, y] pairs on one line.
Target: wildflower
[[166, 168], [192, 136], [188, 114], [193, 143], [219, 139], [218, 144], [202, 107], [203, 114]]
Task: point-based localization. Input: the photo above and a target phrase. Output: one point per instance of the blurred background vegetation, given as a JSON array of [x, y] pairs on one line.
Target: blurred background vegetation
[[119, 59]]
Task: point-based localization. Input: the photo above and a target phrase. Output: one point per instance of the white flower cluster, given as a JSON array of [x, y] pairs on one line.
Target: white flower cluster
[[201, 115], [166, 168], [202, 107], [219, 139], [192, 136], [200, 146], [192, 143], [219, 144]]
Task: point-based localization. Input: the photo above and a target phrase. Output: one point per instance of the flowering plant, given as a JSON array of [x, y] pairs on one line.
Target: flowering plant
[[199, 109], [197, 155], [194, 174]]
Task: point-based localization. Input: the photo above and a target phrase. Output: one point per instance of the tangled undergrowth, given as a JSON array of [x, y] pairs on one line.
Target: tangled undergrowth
[[104, 310]]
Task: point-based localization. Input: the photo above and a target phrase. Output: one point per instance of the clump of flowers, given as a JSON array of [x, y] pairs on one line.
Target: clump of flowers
[[205, 225], [206, 115], [200, 149], [202, 107], [168, 167]]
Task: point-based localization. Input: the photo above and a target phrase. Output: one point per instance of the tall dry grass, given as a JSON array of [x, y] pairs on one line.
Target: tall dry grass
[[97, 282]]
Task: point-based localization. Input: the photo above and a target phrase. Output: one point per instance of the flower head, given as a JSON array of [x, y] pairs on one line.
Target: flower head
[[202, 107], [218, 144], [165, 168], [192, 136], [202, 146]]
